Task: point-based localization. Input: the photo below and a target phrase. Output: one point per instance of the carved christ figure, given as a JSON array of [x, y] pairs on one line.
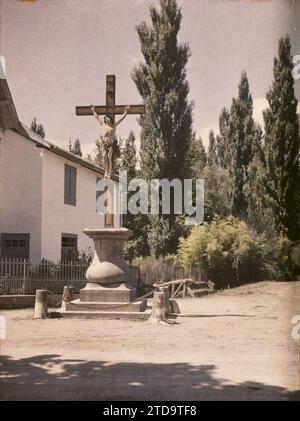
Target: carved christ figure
[[108, 138]]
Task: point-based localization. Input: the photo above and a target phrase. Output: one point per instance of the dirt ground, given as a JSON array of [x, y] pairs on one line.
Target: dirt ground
[[235, 345]]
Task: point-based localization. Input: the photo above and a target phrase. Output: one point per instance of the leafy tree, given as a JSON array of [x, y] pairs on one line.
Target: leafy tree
[[128, 158], [216, 192], [161, 81], [137, 244], [98, 156], [227, 250], [159, 235], [76, 149], [222, 140], [259, 214], [241, 135], [37, 128], [297, 200], [197, 157], [282, 142], [212, 158]]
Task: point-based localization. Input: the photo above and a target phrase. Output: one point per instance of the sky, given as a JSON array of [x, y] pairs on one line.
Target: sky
[[58, 53]]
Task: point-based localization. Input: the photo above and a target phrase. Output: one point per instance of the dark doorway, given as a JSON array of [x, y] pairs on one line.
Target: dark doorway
[[68, 247]]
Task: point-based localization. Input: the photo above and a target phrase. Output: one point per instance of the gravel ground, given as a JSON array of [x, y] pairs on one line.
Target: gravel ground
[[232, 345]]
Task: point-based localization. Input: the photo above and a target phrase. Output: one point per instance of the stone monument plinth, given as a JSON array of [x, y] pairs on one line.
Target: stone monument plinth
[[110, 289]]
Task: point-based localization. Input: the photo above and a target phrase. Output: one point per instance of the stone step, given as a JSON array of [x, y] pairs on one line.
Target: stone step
[[118, 315], [77, 305]]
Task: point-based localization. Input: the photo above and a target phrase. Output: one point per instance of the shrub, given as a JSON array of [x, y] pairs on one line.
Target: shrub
[[227, 250], [284, 258]]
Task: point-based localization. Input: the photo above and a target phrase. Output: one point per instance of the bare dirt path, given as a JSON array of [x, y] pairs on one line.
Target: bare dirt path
[[239, 346]]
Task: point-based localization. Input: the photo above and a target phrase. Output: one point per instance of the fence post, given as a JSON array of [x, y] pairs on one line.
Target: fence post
[[41, 304]]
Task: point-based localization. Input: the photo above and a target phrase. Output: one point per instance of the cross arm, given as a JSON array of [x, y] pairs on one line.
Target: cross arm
[[117, 109]]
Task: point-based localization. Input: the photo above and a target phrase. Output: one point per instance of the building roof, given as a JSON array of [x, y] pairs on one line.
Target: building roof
[[9, 120], [8, 114], [52, 147]]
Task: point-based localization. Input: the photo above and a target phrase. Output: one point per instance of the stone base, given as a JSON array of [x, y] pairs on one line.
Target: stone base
[[78, 305], [118, 315], [93, 292], [106, 302], [109, 292]]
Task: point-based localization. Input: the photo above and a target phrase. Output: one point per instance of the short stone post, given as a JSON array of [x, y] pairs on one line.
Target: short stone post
[[41, 304], [159, 307], [67, 296], [167, 298]]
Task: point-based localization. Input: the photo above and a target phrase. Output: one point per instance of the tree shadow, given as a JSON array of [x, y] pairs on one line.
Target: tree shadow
[[51, 377]]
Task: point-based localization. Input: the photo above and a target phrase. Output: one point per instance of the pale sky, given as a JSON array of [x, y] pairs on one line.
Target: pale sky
[[59, 51]]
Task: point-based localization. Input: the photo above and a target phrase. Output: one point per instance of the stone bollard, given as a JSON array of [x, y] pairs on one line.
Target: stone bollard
[[67, 296], [41, 304], [159, 307], [165, 290]]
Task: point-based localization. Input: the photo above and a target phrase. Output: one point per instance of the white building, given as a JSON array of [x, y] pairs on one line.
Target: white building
[[47, 194]]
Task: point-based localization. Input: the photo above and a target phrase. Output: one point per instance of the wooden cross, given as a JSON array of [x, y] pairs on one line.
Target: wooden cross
[[110, 108]]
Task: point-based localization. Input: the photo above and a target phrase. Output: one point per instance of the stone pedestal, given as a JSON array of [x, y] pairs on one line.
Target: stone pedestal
[[110, 291]]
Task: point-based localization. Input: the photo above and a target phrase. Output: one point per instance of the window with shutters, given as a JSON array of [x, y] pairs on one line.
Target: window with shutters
[[70, 185]]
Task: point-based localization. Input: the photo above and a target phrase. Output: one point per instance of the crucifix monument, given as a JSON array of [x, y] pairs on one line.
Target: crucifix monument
[[108, 124], [110, 288]]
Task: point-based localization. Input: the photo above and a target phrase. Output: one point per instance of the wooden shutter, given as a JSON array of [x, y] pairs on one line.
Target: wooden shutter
[[73, 185], [67, 184]]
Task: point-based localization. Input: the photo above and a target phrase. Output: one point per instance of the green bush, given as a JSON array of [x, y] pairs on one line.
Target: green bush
[[284, 259], [227, 250]]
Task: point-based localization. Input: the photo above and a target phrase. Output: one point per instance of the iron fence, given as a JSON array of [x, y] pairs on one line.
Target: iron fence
[[22, 276]]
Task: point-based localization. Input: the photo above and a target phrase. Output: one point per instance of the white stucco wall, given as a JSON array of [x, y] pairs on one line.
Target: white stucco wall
[[21, 189], [32, 197], [58, 218]]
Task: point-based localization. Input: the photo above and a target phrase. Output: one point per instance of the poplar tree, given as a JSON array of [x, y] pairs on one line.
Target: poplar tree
[[161, 81], [37, 128], [212, 158], [197, 157], [241, 138], [76, 149], [222, 140], [166, 126], [137, 244], [282, 142]]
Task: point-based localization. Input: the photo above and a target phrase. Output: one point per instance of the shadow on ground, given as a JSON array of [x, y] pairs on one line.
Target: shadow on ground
[[50, 377]]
